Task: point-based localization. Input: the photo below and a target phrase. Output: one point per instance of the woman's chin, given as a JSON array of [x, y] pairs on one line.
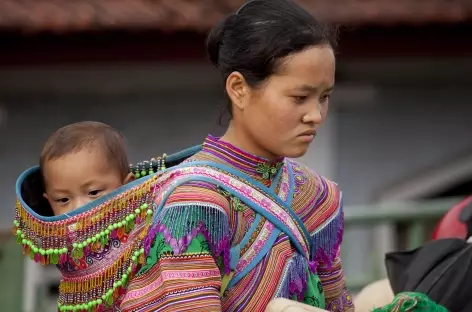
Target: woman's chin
[[296, 152]]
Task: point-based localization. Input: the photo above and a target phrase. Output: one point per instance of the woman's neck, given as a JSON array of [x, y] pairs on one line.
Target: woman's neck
[[243, 141]]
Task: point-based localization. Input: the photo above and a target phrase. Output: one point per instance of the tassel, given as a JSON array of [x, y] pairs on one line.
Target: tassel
[[326, 242], [295, 279]]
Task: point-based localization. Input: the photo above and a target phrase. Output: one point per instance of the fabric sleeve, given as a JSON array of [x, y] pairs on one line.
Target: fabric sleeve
[[327, 235], [187, 254], [332, 279]]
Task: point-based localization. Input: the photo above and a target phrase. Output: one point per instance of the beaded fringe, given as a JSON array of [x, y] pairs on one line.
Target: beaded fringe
[[181, 224], [295, 281], [71, 240], [326, 242]]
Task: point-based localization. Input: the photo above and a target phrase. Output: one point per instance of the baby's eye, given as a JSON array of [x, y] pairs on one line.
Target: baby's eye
[[63, 200], [94, 192]]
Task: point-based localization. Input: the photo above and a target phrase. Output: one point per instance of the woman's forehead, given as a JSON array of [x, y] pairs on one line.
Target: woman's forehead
[[317, 58], [307, 70]]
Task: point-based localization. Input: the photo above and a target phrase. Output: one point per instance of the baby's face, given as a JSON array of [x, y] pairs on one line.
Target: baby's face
[[78, 178]]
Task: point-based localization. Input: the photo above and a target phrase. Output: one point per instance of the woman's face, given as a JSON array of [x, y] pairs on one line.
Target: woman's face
[[282, 116]]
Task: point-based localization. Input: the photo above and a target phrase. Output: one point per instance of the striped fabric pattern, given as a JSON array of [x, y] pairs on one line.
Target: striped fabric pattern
[[191, 280]]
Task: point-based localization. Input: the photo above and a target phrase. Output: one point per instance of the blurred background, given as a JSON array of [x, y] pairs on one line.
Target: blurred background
[[398, 138]]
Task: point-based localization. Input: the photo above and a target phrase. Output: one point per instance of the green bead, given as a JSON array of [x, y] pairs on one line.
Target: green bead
[[102, 233], [136, 253], [23, 241], [144, 206], [42, 252], [94, 239], [149, 212], [81, 246], [124, 277], [74, 245], [89, 240], [129, 269], [119, 283], [138, 211], [18, 232], [107, 231], [104, 297], [35, 250], [141, 250], [110, 228], [99, 301], [115, 285], [137, 175], [132, 216], [90, 304], [48, 252], [55, 251], [128, 218], [134, 258], [64, 250], [22, 235], [63, 308]]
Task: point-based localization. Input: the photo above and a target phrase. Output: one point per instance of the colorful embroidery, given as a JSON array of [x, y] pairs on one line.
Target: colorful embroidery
[[125, 255], [282, 272]]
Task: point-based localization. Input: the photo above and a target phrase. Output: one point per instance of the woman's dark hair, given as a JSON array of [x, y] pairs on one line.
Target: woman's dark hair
[[255, 39]]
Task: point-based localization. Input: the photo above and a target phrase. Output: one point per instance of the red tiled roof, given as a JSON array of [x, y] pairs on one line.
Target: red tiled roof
[[200, 15]]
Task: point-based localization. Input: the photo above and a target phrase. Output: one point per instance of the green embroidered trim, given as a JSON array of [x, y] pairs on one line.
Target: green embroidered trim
[[267, 170]]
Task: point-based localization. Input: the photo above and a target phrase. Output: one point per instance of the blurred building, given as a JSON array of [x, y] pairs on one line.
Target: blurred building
[[400, 120]]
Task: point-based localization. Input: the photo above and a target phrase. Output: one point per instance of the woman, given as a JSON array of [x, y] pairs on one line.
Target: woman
[[277, 66], [230, 225]]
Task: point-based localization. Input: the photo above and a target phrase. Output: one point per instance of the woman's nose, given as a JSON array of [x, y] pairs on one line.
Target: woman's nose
[[314, 115]]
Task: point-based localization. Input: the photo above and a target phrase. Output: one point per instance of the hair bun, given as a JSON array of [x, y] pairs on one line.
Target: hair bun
[[215, 38]]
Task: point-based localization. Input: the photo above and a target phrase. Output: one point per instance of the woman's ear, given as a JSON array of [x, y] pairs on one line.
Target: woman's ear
[[237, 90]]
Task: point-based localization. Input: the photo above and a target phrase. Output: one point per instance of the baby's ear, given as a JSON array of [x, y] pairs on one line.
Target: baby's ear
[[45, 196], [130, 177]]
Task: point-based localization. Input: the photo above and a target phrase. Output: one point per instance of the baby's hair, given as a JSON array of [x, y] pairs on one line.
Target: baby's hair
[[87, 134]]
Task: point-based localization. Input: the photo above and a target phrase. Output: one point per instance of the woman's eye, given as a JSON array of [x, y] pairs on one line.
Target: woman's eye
[[300, 99], [94, 193], [325, 98]]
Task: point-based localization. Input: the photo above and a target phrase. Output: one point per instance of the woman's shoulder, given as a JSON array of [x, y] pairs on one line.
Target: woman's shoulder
[[198, 193], [308, 180]]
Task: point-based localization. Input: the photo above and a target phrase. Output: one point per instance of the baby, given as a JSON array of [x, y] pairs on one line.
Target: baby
[[82, 162]]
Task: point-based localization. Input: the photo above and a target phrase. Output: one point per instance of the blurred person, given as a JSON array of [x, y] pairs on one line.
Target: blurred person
[[228, 225]]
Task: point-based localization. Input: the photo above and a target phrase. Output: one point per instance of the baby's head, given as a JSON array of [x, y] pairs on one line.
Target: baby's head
[[82, 162]]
